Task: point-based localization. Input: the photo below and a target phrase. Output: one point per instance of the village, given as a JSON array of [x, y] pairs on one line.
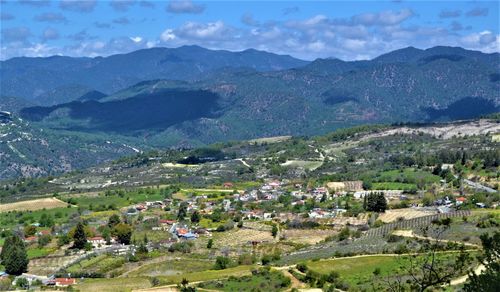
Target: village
[[274, 203]]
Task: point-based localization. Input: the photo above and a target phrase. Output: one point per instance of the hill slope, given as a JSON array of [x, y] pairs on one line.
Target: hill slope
[[34, 77], [438, 84]]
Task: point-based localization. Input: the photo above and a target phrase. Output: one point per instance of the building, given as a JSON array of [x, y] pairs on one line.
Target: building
[[30, 239], [64, 282], [460, 200], [188, 236], [97, 241]]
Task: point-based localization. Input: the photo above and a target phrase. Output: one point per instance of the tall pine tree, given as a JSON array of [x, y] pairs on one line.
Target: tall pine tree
[[14, 256], [79, 238]]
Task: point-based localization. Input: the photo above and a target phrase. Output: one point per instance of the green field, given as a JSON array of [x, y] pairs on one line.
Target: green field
[[409, 175], [39, 252], [260, 281], [357, 270], [394, 186], [99, 264], [115, 200], [11, 219], [207, 275], [173, 267], [113, 284]]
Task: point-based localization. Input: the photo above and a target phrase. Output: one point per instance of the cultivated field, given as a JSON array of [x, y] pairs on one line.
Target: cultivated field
[[307, 236], [239, 237], [357, 270], [32, 205], [49, 265], [407, 213], [113, 284]]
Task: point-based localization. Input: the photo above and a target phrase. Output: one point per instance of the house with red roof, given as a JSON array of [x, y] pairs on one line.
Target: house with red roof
[[30, 239], [460, 201], [97, 241], [64, 282]]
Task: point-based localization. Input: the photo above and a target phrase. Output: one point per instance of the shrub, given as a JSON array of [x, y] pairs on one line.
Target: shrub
[[266, 259], [302, 267], [184, 247], [22, 283], [344, 234], [246, 259], [222, 263]]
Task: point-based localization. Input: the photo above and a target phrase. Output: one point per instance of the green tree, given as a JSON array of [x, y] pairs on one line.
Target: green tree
[[44, 240], [22, 283], [123, 232], [210, 243], [113, 220], [183, 287], [221, 263], [182, 211], [46, 220], [489, 278], [274, 230], [195, 217], [142, 250], [14, 256], [376, 202], [344, 234], [29, 230], [79, 237]]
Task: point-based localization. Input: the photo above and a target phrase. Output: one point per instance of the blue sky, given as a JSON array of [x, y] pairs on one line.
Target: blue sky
[[348, 30]]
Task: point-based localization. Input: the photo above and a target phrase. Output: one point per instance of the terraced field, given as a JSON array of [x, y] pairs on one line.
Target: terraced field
[[238, 237], [408, 213], [32, 205]]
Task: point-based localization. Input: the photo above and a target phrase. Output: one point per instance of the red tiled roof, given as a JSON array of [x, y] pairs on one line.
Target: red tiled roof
[[165, 221], [182, 231], [65, 281]]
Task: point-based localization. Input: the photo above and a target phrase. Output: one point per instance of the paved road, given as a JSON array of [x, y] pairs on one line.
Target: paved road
[[479, 186]]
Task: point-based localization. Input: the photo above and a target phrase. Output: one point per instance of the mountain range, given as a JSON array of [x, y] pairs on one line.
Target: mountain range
[[192, 96], [59, 79]]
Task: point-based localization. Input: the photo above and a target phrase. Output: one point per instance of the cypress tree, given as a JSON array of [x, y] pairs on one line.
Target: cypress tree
[[14, 256], [79, 238]]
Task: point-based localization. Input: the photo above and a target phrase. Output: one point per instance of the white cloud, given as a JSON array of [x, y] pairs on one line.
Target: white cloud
[[388, 17], [184, 6], [485, 41], [136, 39], [168, 35], [361, 36]]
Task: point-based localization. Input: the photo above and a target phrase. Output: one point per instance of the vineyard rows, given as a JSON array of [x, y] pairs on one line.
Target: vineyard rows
[[412, 223]]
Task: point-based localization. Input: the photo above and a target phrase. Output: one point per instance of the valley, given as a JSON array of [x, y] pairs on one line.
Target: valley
[[254, 213]]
